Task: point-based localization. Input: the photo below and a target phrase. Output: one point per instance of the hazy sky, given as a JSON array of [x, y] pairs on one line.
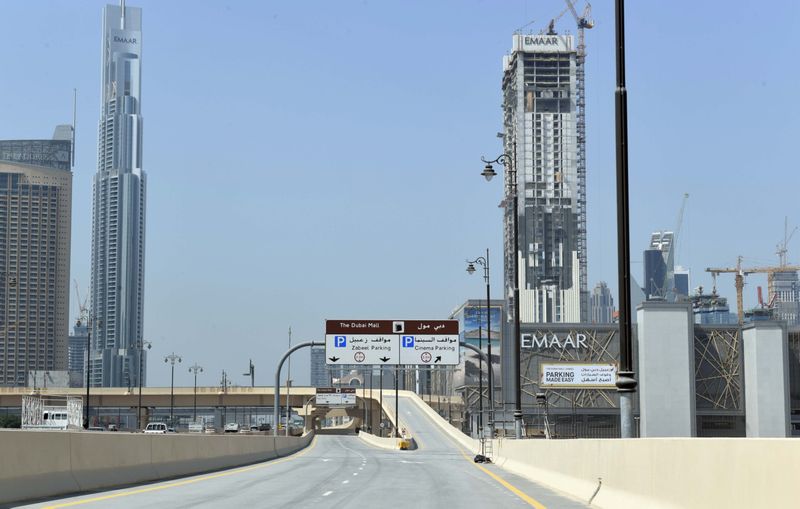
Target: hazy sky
[[312, 160]]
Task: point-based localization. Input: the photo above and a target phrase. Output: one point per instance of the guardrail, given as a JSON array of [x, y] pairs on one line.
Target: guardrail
[[41, 464]]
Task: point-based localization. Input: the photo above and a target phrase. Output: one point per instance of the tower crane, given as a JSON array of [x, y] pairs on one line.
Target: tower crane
[[740, 272], [83, 311], [787, 236], [584, 20]]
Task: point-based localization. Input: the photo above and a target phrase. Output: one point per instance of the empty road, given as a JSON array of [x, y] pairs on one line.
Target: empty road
[[343, 471]]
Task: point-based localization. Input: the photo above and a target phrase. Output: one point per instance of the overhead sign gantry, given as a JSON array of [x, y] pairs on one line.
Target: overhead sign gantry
[[392, 342]]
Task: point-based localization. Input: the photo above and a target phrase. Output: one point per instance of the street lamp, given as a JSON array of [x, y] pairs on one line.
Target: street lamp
[[507, 161], [626, 378], [195, 369], [171, 358], [141, 344], [484, 262]]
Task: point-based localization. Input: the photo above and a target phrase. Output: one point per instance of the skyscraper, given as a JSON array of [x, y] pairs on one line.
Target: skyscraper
[[35, 222], [118, 221], [543, 106], [602, 304]]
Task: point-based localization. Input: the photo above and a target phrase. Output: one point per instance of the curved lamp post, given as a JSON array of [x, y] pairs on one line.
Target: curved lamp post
[[507, 161], [171, 358], [141, 344], [484, 262], [195, 369]]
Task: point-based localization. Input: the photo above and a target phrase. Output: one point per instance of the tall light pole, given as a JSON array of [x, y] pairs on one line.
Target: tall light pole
[[88, 370], [171, 358], [626, 378], [288, 384], [507, 160], [195, 369], [141, 344], [484, 262]]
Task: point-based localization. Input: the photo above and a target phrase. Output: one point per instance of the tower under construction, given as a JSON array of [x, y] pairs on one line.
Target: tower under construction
[[544, 123]]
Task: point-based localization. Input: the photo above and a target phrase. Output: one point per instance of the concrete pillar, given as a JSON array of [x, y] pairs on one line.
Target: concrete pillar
[[766, 379], [666, 369]]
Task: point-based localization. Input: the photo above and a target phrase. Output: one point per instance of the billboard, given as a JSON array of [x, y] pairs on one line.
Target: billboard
[[577, 376]]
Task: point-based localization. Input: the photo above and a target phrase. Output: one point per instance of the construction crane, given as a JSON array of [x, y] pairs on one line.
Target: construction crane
[[583, 22], [787, 236], [671, 254], [83, 311], [740, 272]]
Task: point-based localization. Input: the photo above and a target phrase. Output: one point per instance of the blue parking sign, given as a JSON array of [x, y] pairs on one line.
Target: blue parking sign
[[340, 341], [408, 341]]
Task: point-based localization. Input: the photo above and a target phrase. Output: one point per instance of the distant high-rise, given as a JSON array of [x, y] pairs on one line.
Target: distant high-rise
[[786, 289], [659, 265], [118, 221], [77, 351], [543, 106], [35, 222], [319, 374], [602, 304]]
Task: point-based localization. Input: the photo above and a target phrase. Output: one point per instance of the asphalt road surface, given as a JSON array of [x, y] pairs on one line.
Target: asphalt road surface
[[343, 471]]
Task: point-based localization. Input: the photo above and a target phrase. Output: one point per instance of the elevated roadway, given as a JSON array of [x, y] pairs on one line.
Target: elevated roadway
[[343, 471]]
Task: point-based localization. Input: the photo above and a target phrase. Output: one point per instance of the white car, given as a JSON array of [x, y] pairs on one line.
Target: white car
[[232, 427], [156, 427]]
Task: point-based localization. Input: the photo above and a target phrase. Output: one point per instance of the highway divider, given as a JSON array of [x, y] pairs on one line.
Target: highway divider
[[38, 464], [406, 443], [661, 472]]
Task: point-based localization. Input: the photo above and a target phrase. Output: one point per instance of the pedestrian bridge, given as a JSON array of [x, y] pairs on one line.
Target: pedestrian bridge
[[348, 471]]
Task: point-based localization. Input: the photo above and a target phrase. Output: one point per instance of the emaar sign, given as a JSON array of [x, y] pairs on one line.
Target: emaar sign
[[551, 340]]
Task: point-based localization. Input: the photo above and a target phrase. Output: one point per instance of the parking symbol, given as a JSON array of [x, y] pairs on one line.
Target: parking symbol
[[408, 341], [340, 341]]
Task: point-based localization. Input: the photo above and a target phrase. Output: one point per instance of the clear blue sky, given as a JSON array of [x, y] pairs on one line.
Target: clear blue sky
[[321, 159]]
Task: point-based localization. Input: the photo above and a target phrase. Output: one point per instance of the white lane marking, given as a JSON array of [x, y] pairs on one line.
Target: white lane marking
[[345, 482], [412, 462], [361, 468], [355, 473], [326, 493], [325, 459]]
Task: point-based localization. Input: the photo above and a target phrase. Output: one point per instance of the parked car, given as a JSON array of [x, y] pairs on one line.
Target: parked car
[[232, 427], [112, 427], [260, 427], [96, 428], [156, 427]]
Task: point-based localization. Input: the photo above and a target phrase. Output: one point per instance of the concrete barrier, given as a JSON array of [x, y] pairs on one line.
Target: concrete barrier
[[661, 472], [393, 444], [40, 464]]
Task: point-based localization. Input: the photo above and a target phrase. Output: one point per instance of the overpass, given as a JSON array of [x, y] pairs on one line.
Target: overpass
[[236, 404]]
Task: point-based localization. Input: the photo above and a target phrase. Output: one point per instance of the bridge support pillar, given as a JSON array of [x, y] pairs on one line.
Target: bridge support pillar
[[666, 369], [766, 379]]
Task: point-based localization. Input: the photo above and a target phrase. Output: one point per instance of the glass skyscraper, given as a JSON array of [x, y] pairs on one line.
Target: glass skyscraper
[[118, 221], [543, 105]]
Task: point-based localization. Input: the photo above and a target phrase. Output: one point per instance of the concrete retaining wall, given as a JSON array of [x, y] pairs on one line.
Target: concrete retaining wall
[[662, 472], [40, 464]]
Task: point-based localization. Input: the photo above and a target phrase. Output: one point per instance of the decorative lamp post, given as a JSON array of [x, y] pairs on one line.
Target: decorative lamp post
[[141, 344], [195, 369], [484, 262], [171, 358], [507, 160]]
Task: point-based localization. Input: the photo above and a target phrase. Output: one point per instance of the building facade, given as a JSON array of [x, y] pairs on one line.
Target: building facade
[[77, 352], [118, 221], [35, 222], [543, 107], [319, 372], [786, 289], [601, 304]]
